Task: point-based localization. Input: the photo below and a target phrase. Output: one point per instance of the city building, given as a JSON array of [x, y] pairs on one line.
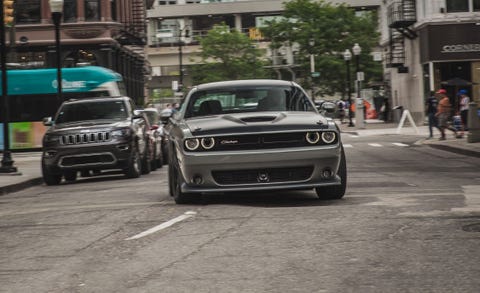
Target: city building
[[428, 45], [175, 25], [106, 33]]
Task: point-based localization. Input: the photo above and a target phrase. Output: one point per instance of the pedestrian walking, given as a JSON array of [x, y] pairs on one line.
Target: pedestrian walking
[[464, 101], [444, 112], [431, 109], [341, 110]]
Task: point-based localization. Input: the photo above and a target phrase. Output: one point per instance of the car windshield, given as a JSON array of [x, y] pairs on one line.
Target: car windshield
[[94, 110], [152, 116], [244, 100]]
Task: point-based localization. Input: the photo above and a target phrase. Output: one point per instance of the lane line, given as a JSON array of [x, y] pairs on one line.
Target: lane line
[[162, 226], [399, 144], [375, 145], [348, 145]]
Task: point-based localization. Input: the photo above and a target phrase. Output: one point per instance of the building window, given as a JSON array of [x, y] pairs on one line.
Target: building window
[[27, 11], [92, 10], [113, 9], [457, 5], [476, 5], [70, 11]]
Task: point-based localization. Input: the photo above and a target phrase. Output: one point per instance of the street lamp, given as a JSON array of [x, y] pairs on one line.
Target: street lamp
[[7, 162], [56, 7], [180, 55], [359, 113], [347, 56], [311, 42]]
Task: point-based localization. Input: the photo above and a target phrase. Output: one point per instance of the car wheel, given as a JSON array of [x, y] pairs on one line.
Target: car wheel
[[133, 169], [175, 181], [154, 163], [50, 177], [160, 160], [335, 191], [70, 176], [146, 160]]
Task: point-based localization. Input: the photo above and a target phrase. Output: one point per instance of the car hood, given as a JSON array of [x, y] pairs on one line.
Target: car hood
[[255, 122], [90, 125]]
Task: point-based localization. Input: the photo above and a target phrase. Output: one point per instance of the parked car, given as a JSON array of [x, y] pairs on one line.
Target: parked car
[[157, 137], [95, 134], [250, 135]]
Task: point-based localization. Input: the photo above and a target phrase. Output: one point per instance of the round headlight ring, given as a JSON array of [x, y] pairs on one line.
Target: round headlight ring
[[192, 144], [207, 142], [312, 137], [328, 136]]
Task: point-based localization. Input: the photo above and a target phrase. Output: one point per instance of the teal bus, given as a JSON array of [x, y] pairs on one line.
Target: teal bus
[[32, 95]]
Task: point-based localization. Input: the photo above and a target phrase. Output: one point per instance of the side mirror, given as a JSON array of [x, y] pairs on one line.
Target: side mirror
[[164, 117], [47, 121]]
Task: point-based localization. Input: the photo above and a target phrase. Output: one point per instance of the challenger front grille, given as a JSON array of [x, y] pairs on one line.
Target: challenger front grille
[[256, 176], [83, 138]]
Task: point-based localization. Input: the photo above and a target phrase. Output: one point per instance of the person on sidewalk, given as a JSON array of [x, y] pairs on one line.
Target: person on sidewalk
[[431, 106], [444, 111], [464, 101]]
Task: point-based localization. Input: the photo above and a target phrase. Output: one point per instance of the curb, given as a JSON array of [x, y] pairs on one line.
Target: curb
[[20, 186], [460, 151]]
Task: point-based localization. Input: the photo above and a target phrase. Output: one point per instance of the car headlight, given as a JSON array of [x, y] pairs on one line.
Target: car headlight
[[328, 136], [192, 144], [207, 142], [121, 132], [312, 137], [51, 138]]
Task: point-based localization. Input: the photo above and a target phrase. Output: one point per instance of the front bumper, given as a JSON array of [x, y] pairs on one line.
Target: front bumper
[[112, 155], [267, 169]]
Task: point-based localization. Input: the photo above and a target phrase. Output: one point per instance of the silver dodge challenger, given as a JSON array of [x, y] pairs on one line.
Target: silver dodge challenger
[[253, 135]]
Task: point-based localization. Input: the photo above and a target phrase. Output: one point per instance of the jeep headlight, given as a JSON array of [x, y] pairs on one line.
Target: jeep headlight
[[51, 138], [122, 132]]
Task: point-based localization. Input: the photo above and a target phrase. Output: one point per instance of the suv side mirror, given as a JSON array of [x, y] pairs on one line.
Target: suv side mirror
[[47, 121]]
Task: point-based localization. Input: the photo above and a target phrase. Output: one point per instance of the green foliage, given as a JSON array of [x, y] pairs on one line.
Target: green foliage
[[333, 29], [228, 55]]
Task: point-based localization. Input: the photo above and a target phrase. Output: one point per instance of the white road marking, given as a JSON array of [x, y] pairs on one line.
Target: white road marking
[[399, 144], [348, 146], [375, 145], [162, 226], [354, 136]]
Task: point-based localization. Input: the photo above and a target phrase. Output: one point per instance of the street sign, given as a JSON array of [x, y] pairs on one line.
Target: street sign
[[360, 76], [315, 74], [174, 85]]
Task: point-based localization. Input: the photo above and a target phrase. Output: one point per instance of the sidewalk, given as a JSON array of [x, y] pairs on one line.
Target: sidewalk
[[379, 127], [29, 164]]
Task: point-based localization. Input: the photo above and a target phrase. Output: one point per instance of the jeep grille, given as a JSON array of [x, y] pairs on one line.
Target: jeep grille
[[81, 138]]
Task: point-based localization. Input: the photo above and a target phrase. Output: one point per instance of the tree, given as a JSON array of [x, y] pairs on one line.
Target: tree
[[228, 55], [332, 29]]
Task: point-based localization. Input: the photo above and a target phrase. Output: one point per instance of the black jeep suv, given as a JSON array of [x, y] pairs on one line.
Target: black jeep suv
[[95, 134]]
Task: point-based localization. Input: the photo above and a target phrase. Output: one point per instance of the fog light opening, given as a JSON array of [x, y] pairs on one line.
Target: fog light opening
[[197, 179], [327, 173]]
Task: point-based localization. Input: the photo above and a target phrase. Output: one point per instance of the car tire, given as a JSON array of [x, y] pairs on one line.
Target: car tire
[[335, 191], [50, 177], [154, 162], [146, 160], [133, 169], [70, 176], [159, 160], [175, 181]]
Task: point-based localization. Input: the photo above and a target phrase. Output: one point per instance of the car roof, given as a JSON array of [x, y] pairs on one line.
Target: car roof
[[119, 98], [244, 83]]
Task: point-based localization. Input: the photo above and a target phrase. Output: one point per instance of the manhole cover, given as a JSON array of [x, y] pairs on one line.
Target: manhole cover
[[472, 227]]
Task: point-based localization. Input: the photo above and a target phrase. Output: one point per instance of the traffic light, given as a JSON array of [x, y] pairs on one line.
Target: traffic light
[[8, 12]]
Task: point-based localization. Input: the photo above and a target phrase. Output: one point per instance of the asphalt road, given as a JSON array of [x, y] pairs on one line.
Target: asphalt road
[[410, 222]]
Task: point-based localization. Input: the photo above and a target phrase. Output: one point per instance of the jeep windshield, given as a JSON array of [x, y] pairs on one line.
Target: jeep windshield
[[92, 110]]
